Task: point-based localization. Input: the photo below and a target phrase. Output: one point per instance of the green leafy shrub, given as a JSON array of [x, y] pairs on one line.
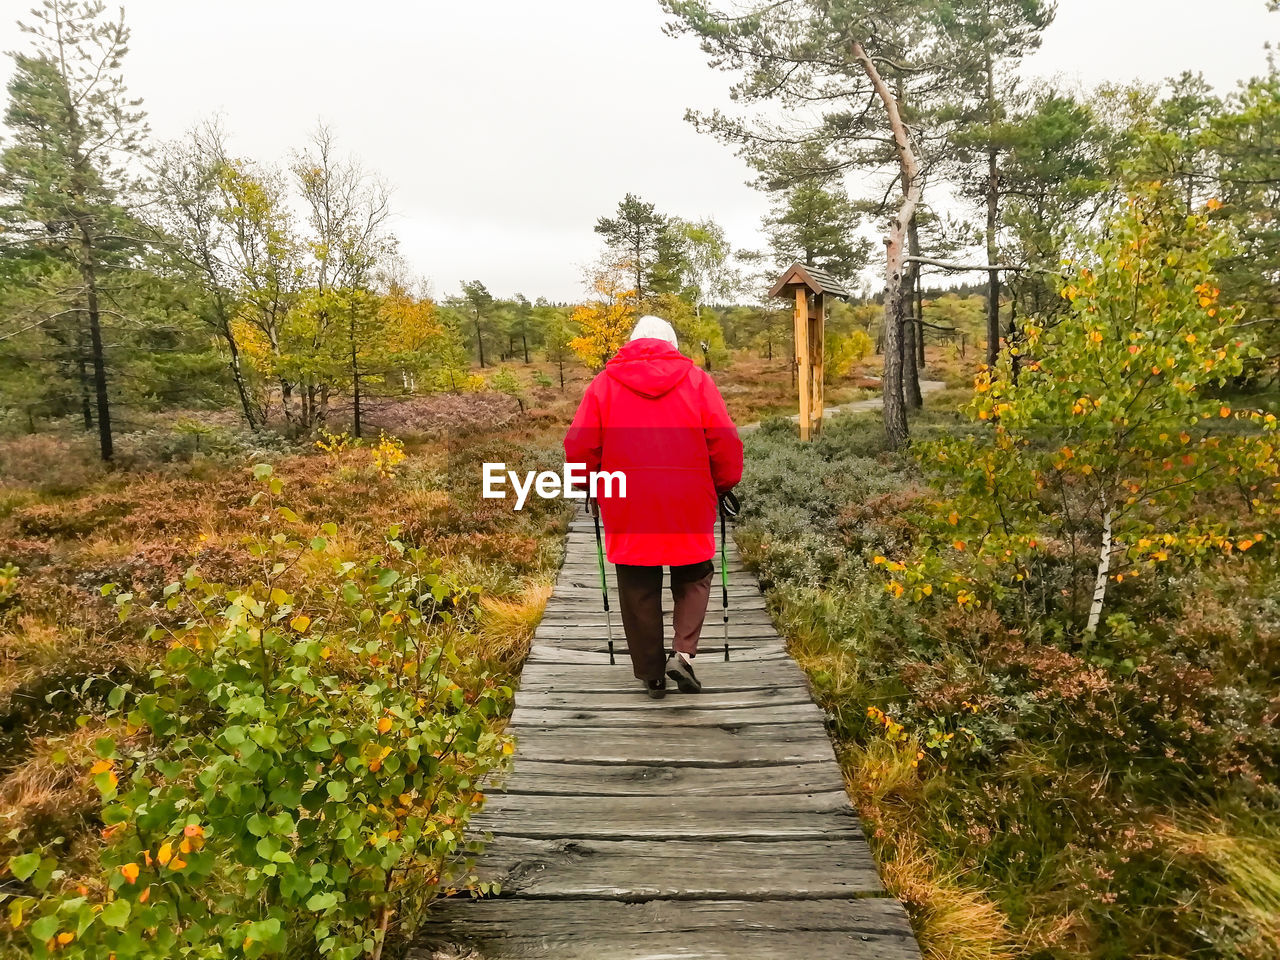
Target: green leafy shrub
[[843, 352], [296, 777], [1104, 445], [801, 497], [505, 380], [8, 583]]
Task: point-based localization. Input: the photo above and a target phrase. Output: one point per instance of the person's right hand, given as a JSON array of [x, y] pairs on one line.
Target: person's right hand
[[730, 507]]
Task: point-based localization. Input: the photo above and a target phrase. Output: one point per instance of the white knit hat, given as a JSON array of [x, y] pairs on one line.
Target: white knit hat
[[655, 328]]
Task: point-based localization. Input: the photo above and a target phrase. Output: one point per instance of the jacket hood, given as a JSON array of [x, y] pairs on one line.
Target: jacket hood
[[649, 367]]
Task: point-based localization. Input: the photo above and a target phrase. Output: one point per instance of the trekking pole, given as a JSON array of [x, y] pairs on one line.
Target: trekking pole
[[604, 584], [729, 507]]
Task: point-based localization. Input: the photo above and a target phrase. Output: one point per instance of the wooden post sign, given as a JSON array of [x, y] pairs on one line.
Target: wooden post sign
[[809, 288]]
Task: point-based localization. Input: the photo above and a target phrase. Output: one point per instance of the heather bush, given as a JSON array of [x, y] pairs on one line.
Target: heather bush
[[48, 464], [187, 439], [1090, 798]]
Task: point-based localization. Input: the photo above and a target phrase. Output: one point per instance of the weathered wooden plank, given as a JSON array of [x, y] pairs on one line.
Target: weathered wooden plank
[[599, 653], [536, 698], [598, 675], [591, 606], [660, 715], [569, 649], [870, 928], [593, 624], [594, 617], [632, 870], [709, 647], [646, 780], [597, 638], [747, 745], [665, 817]]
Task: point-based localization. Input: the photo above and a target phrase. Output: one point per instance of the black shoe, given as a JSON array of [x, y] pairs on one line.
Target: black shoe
[[681, 671], [657, 689]]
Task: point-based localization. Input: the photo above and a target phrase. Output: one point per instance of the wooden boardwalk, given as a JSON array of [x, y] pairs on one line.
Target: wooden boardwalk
[[713, 825]]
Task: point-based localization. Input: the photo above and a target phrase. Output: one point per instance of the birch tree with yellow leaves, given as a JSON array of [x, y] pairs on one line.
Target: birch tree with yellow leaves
[[604, 322], [1111, 450]]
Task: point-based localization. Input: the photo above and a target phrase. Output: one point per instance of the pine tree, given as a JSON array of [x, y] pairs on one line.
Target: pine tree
[[812, 220], [558, 333], [638, 235], [856, 57], [1246, 138], [63, 189], [988, 38]]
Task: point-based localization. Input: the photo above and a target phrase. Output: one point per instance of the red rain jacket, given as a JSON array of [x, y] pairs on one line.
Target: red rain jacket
[[658, 419]]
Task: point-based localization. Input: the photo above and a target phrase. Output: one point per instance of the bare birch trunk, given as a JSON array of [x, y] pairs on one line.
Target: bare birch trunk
[[237, 374], [1104, 571]]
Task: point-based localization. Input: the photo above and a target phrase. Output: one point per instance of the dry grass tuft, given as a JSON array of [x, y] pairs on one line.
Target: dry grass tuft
[[507, 625], [952, 921], [50, 791], [32, 649], [882, 772], [1246, 862]]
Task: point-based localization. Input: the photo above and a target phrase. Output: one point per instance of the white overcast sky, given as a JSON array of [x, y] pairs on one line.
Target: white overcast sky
[[506, 127]]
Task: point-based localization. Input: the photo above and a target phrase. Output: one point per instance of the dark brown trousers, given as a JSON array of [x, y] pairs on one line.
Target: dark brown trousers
[[640, 602]]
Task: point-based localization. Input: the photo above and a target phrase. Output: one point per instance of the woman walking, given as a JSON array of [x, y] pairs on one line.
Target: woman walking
[[660, 421]]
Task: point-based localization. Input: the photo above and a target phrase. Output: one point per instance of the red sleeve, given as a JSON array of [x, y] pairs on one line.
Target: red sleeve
[[724, 445], [585, 439]]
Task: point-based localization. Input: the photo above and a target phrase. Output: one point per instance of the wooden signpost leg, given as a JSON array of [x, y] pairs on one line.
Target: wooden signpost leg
[[804, 376], [817, 335], [816, 344]]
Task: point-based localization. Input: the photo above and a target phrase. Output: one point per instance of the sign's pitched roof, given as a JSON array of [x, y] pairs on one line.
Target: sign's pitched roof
[[819, 281]]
